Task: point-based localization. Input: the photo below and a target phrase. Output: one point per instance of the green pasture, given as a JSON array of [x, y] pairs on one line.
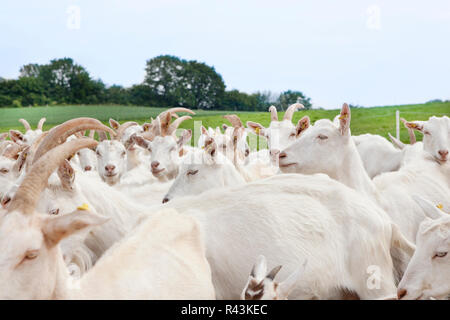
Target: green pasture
[[376, 120]]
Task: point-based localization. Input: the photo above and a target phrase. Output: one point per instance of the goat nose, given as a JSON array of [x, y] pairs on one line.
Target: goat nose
[[165, 200], [110, 167], [87, 168], [282, 155], [154, 164], [5, 201], [443, 153], [274, 152], [401, 293]]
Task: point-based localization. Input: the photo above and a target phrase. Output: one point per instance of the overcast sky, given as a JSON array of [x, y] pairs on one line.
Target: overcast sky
[[363, 52]]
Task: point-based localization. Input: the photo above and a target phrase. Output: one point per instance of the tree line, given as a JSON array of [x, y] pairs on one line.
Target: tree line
[[169, 81]]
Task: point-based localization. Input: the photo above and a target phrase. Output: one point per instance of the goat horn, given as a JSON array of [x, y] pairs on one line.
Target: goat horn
[[25, 124], [124, 127], [41, 123], [60, 133], [273, 113], [290, 111], [234, 120], [27, 195], [176, 123], [174, 110]]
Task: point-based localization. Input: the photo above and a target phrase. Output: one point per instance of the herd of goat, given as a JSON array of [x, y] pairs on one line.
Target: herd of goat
[[141, 214]]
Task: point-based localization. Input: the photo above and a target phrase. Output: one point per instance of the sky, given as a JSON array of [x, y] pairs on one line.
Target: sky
[[369, 53]]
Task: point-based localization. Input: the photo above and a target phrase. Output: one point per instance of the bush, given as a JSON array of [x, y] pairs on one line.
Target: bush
[[16, 103]]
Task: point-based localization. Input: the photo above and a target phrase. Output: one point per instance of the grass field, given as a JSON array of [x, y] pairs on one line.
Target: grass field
[[376, 120]]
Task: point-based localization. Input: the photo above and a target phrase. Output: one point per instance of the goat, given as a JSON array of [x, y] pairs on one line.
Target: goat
[[32, 266], [290, 219], [280, 134], [427, 275], [262, 285]]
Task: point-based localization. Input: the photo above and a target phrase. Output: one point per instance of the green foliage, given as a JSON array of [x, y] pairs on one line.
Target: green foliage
[[239, 101], [290, 97], [178, 82]]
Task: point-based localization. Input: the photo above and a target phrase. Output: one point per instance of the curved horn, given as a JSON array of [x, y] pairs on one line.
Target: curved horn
[[25, 124], [124, 127], [41, 123], [60, 133], [412, 136], [290, 111], [234, 120], [174, 110], [176, 123], [27, 196], [273, 113]]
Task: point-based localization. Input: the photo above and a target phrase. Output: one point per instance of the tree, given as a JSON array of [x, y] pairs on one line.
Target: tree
[[204, 86], [31, 70], [184, 83], [290, 97], [239, 101]]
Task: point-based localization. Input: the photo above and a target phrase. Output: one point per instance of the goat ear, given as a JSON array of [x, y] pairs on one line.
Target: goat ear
[[344, 120], [204, 131], [273, 273], [259, 269], [139, 140], [210, 147], [66, 174], [286, 287], [114, 124], [16, 136], [224, 127], [19, 164], [147, 126], [184, 138], [256, 128], [415, 125], [302, 125], [59, 227], [432, 211]]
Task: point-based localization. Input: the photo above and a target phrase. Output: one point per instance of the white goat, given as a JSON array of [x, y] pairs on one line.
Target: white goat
[[428, 273], [32, 266], [325, 148], [280, 134], [290, 219]]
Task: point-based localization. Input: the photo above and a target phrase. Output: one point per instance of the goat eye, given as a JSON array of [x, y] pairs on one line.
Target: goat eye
[[192, 172], [123, 154], [4, 171], [30, 255], [54, 211], [322, 137], [440, 254], [98, 153], [428, 133]]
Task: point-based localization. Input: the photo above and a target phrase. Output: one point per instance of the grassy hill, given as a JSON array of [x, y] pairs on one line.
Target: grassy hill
[[376, 120]]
